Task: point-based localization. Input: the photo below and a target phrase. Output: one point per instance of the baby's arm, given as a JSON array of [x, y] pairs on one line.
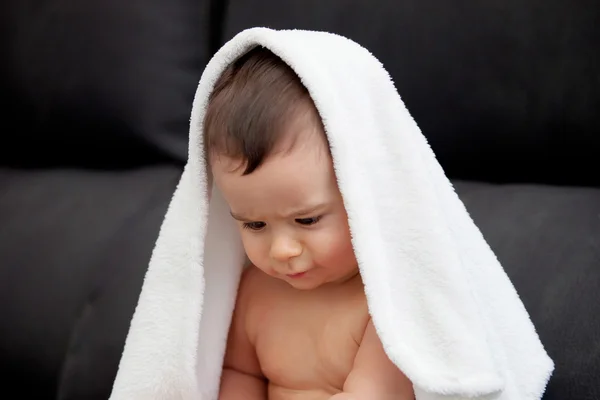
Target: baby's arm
[[374, 376], [242, 377]]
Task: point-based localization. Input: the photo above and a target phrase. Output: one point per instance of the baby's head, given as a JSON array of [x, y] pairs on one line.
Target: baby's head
[[270, 158]]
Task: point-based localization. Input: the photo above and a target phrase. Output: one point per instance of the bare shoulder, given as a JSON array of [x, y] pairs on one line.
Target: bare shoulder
[[256, 285], [357, 308], [374, 373], [242, 376], [247, 281], [240, 354], [252, 284], [254, 295], [252, 280]]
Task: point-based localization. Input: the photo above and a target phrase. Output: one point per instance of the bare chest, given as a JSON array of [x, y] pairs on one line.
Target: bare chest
[[309, 343]]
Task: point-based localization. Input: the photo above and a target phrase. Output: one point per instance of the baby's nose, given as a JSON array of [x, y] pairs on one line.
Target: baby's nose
[[284, 248]]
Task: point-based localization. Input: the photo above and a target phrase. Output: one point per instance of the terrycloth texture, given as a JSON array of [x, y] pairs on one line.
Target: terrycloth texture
[[445, 310]]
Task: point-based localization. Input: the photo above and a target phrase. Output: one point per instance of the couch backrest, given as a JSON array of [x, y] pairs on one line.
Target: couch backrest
[[99, 83], [505, 91]]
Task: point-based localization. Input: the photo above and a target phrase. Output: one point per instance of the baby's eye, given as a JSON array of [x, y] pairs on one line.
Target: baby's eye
[[254, 226], [308, 221]]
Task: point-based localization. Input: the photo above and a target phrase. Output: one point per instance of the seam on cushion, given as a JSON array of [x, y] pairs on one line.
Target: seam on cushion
[[72, 347]]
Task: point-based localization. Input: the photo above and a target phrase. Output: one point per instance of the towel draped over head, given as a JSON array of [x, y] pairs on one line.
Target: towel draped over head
[[444, 309]]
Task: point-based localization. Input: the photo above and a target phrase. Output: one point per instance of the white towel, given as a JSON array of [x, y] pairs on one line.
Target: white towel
[[446, 312]]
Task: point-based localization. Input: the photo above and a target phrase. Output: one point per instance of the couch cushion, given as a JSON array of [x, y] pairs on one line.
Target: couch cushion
[[548, 240], [487, 81], [74, 247], [104, 83]]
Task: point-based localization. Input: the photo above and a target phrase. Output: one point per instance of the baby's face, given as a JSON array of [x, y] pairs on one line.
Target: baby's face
[[291, 215]]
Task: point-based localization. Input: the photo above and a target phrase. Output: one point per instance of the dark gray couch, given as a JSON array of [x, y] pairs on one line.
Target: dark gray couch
[[95, 102]]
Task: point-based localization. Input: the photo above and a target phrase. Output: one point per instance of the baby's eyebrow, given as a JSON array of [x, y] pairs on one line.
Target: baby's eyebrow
[[238, 217], [295, 213], [306, 211]]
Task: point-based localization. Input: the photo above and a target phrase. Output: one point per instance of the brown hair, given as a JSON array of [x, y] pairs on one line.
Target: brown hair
[[252, 103]]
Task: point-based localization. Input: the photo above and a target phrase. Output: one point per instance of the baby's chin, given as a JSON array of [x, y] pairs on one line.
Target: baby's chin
[[304, 284], [311, 280]]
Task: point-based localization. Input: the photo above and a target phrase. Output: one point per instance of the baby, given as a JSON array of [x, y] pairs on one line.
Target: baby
[[301, 327]]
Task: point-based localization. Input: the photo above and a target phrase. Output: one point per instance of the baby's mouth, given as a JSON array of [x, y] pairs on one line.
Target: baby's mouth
[[297, 275]]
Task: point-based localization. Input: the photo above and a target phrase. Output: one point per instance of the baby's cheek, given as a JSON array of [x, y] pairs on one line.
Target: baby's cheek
[[254, 249], [335, 251]]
